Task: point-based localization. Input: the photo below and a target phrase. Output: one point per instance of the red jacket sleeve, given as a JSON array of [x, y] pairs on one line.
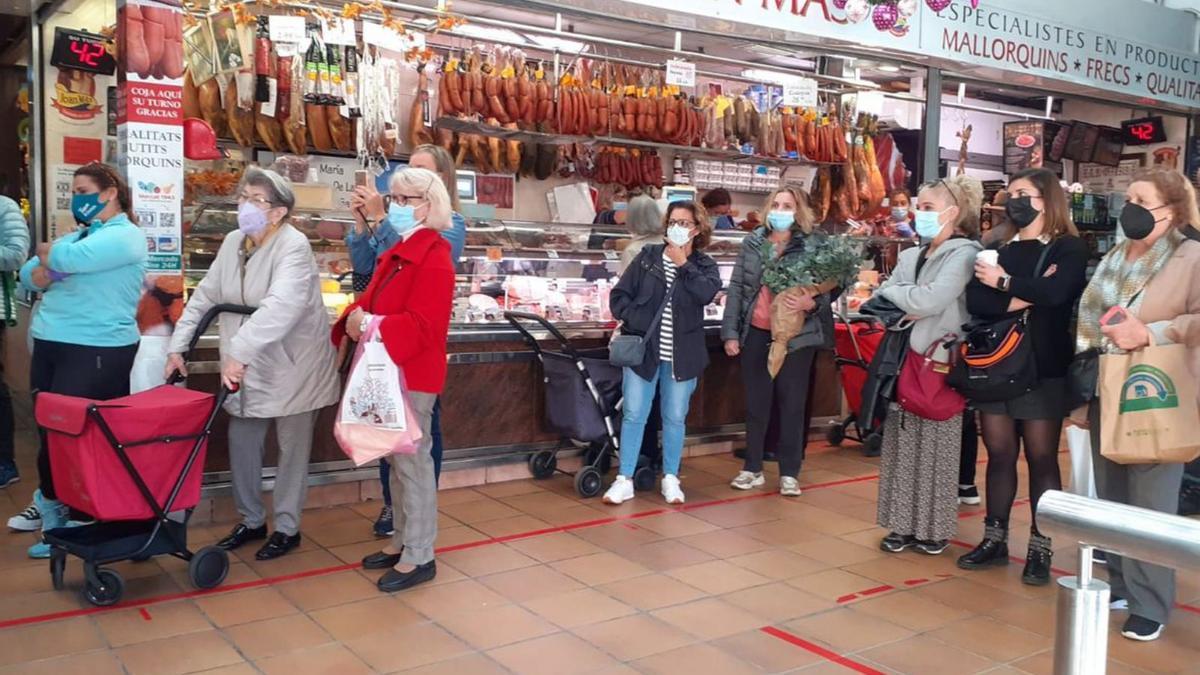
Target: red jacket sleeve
[[338, 333], [425, 322]]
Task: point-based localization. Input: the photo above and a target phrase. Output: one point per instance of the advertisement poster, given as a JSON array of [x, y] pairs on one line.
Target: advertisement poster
[[150, 147], [1023, 146]]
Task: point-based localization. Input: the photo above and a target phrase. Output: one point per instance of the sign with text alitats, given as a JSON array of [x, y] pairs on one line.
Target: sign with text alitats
[[150, 147]]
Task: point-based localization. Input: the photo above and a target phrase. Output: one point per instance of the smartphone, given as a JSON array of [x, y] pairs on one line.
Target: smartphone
[[361, 177], [1113, 316]]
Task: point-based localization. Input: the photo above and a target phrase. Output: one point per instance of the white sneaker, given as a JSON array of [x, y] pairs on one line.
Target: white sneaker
[[29, 520], [747, 480], [671, 490], [620, 491], [789, 487]]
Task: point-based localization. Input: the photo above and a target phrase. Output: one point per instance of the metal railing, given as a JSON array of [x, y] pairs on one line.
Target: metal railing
[[1081, 632]]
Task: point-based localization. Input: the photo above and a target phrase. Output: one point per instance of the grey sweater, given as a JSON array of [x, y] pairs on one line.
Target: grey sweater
[[938, 296]]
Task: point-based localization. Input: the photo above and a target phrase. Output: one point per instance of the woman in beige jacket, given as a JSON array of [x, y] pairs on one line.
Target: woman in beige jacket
[[1155, 275], [279, 357]]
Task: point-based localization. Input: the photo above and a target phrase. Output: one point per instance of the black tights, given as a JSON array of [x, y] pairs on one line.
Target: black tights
[[1003, 437]]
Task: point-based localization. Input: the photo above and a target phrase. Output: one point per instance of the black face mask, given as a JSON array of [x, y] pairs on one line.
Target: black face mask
[[1137, 221], [1020, 211]]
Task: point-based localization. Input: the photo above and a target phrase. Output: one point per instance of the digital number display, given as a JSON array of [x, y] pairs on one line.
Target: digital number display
[[1144, 131], [82, 51]]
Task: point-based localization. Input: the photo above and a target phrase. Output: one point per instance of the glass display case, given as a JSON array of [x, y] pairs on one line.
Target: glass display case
[[561, 272]]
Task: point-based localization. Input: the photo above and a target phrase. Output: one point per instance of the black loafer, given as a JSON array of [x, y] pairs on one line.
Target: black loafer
[[279, 544], [380, 561], [393, 581], [240, 535]]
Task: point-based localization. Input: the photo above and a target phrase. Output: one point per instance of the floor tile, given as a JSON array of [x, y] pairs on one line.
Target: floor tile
[[477, 562], [779, 564], [331, 659], [47, 640], [911, 611], [846, 630], [407, 647], [725, 543], [273, 637], [560, 654], [95, 662], [497, 626], [448, 599], [768, 653], [471, 664], [652, 591], [708, 619], [992, 639], [328, 590], [665, 555], [130, 626], [928, 656], [256, 604], [187, 654], [634, 637], [358, 619], [600, 568], [698, 659], [718, 577], [529, 583], [778, 602], [554, 547], [579, 608]]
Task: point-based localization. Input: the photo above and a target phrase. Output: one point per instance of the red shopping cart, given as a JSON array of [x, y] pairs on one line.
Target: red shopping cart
[[134, 464], [855, 344]]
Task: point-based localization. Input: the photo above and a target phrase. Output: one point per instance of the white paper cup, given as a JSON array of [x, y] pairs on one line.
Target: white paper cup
[[988, 257]]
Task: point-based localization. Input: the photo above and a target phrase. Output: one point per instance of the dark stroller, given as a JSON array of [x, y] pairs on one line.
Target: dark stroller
[[855, 345], [131, 463], [583, 405]]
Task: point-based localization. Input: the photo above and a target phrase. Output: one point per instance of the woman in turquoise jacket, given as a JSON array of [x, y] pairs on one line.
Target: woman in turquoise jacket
[[85, 332]]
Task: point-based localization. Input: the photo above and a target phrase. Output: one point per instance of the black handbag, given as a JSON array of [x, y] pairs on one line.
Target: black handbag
[[995, 360], [629, 351], [1083, 376], [886, 311]]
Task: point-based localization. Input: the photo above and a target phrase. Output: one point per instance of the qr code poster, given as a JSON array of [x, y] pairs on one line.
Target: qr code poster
[[61, 189]]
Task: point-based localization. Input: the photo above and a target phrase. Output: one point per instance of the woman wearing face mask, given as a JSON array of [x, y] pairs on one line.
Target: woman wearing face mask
[[918, 473], [1154, 276], [662, 297], [85, 332], [408, 301], [278, 357], [746, 331], [1041, 271], [901, 214], [371, 236]]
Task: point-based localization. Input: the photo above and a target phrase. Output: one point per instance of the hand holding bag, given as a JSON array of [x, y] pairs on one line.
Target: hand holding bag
[[1148, 412], [374, 419], [629, 351], [922, 389]]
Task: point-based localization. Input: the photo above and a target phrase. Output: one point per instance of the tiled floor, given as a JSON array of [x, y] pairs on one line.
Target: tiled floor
[[533, 580]]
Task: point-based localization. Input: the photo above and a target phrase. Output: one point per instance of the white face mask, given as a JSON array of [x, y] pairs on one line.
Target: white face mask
[[679, 235]]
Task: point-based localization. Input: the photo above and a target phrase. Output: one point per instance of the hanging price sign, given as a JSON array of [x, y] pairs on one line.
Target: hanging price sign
[[801, 93], [681, 73]]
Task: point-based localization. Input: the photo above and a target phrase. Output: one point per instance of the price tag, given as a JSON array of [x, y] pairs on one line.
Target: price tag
[[268, 107], [552, 254], [681, 73], [611, 255], [384, 38], [800, 94], [338, 31], [287, 29], [495, 254]]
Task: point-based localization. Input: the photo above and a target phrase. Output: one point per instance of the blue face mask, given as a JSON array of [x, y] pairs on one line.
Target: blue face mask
[[401, 218], [928, 224], [899, 213], [620, 206], [85, 207], [781, 220]]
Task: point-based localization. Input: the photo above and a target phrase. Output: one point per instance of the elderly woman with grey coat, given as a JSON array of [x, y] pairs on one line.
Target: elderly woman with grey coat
[[746, 330], [279, 358], [918, 472]]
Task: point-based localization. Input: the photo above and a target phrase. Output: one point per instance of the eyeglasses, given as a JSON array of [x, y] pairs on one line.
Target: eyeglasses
[[681, 223], [403, 200], [261, 201]]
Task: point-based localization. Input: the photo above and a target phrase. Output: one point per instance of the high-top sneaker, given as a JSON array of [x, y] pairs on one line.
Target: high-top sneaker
[[1037, 563], [992, 551]]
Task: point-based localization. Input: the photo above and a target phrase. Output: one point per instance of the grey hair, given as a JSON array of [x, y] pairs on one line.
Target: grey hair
[[424, 182], [279, 189], [643, 217]]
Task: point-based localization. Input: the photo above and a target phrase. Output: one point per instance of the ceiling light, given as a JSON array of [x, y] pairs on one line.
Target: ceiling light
[[760, 75], [489, 33], [561, 44], [889, 69]]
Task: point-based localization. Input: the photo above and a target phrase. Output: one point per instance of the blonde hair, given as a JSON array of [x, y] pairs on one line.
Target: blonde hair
[[429, 185], [804, 214], [1176, 192], [966, 192]]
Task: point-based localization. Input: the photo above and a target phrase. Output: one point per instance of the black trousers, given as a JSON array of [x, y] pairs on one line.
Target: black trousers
[[788, 392], [970, 448], [99, 373], [7, 428]]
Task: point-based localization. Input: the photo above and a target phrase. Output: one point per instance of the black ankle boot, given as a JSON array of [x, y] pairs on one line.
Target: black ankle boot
[[1037, 563], [992, 551]]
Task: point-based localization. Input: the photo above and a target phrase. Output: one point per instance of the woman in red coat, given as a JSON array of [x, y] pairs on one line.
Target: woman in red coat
[[410, 296]]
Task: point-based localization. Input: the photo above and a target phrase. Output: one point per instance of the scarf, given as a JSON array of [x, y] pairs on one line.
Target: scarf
[[1119, 282]]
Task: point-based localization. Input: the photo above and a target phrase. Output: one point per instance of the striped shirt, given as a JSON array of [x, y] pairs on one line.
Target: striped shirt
[[666, 333]]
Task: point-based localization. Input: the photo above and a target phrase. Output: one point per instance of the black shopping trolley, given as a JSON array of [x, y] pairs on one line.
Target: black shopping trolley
[[583, 406]]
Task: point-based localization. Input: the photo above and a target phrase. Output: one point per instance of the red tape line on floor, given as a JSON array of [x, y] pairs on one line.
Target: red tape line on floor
[[271, 581], [820, 651]]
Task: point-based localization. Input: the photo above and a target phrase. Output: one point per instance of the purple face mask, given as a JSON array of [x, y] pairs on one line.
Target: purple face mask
[[251, 219]]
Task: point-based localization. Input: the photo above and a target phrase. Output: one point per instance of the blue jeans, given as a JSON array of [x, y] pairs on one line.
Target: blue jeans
[[435, 433], [639, 398]]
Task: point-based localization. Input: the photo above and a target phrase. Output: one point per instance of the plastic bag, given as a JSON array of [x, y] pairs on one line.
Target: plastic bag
[[374, 419], [149, 364], [1083, 478]]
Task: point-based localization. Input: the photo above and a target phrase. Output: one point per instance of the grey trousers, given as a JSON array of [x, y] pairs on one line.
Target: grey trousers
[[247, 441], [1150, 589], [414, 490]]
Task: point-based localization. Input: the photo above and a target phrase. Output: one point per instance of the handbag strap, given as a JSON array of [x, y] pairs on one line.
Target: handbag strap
[[1039, 268]]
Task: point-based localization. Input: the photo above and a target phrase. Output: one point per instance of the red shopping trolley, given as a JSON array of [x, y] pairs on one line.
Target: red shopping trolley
[[135, 464], [855, 344]]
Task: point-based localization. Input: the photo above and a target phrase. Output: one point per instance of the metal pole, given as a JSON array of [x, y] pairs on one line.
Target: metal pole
[[1081, 628], [931, 153]]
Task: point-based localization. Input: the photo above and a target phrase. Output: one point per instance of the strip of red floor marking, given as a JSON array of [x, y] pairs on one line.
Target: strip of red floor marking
[[271, 581], [145, 614], [820, 651]]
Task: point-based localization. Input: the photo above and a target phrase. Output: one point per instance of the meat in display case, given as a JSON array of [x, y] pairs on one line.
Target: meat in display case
[[561, 272]]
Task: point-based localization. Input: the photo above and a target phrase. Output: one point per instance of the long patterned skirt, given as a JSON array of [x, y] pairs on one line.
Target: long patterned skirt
[[918, 475]]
